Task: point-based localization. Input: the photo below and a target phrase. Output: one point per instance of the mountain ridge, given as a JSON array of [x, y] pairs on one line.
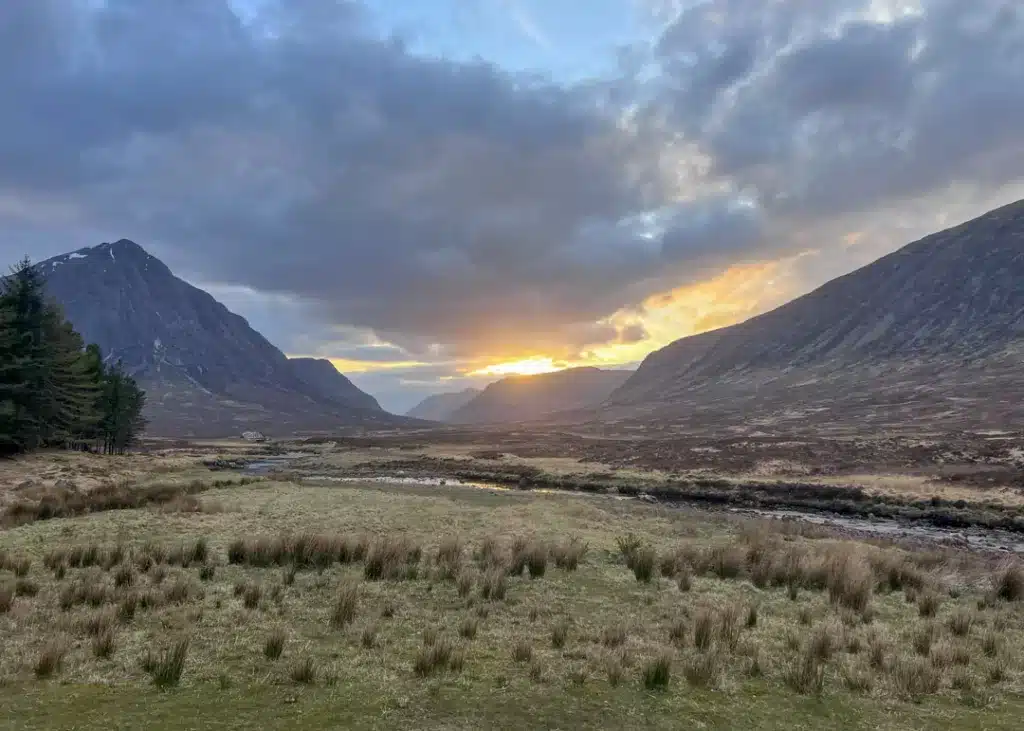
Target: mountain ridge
[[441, 406], [533, 397], [207, 372], [940, 315]]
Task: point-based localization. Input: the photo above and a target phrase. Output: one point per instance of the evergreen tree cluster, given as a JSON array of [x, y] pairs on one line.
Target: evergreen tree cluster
[[55, 391]]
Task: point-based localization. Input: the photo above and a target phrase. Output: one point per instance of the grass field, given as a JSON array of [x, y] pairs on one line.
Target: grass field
[[279, 605]]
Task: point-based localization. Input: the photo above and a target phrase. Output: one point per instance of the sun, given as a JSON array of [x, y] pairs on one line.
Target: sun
[[525, 367]]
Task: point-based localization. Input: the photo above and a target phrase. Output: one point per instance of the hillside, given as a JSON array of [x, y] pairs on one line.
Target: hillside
[[932, 332], [525, 398], [205, 370], [441, 406], [331, 385]]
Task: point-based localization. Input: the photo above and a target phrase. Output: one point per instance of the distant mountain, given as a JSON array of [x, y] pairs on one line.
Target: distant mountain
[[331, 385], [932, 334], [206, 372], [525, 398], [441, 406]]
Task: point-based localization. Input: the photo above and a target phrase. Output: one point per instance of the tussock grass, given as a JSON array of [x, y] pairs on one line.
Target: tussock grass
[[928, 604], [6, 598], [992, 643], [560, 634], [273, 645], [914, 678], [684, 579], [180, 591], [522, 650], [434, 657], [464, 584], [26, 588], [677, 631], [568, 554], [392, 557], [537, 559], [704, 628], [251, 595], [1009, 583], [806, 675], [702, 669], [657, 671], [448, 558], [469, 627], [924, 637], [494, 586], [644, 560], [207, 571], [50, 659], [124, 576], [346, 605], [850, 581], [304, 671], [166, 667], [368, 637], [858, 679], [103, 644], [947, 654], [961, 621], [614, 635]]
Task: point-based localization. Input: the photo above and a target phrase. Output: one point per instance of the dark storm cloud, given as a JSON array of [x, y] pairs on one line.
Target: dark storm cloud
[[455, 208], [823, 109], [409, 195]]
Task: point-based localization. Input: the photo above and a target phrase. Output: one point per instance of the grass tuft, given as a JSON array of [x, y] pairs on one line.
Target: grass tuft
[[469, 627], [568, 554], [1010, 583], [50, 659], [346, 605], [522, 650], [657, 672], [166, 669], [103, 644], [273, 645], [304, 671], [914, 678], [560, 634]]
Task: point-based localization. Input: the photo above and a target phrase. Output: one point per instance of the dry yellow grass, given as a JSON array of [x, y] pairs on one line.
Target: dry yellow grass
[[595, 628]]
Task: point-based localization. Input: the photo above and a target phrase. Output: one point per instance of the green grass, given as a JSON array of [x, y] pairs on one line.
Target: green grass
[[592, 629]]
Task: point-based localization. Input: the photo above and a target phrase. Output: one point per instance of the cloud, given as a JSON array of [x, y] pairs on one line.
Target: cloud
[[389, 207], [843, 105]]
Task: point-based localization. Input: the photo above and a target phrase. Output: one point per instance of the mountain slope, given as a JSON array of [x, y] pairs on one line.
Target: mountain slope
[[327, 382], [525, 398], [441, 406], [206, 372], [934, 330]]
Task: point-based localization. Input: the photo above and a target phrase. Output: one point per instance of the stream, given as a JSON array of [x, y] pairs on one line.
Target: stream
[[976, 538]]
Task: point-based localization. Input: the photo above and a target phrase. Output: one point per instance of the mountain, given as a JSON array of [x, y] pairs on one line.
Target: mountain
[[329, 384], [932, 334], [525, 398], [441, 406], [205, 370]]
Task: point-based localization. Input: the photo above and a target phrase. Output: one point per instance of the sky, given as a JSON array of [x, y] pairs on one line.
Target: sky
[[434, 193]]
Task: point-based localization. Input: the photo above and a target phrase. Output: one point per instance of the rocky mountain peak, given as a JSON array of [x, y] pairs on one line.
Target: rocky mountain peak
[[206, 370]]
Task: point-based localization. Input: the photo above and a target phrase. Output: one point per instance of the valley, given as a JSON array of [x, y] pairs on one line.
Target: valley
[[323, 584]]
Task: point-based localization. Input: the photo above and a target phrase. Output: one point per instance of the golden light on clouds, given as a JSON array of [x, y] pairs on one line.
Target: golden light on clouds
[[733, 296], [524, 367]]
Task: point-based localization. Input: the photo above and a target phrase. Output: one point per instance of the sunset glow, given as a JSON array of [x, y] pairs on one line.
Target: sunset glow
[[524, 367]]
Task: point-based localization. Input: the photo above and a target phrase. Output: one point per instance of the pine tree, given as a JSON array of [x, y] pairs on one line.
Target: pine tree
[[24, 383], [123, 402], [53, 390]]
